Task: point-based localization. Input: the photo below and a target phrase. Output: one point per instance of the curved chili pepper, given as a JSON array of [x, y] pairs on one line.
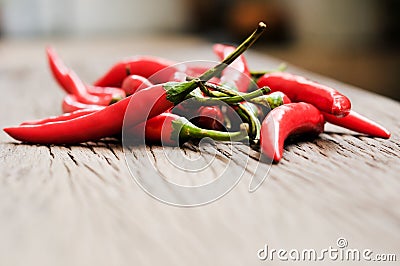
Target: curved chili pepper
[[72, 84], [71, 104], [100, 124], [241, 76], [145, 66], [209, 117], [63, 117], [300, 89], [149, 102], [78, 89], [58, 68], [169, 128], [285, 120], [116, 94], [358, 123], [134, 82]]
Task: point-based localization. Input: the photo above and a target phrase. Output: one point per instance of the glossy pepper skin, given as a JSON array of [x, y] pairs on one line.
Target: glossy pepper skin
[[72, 84], [132, 83], [240, 77], [103, 123], [209, 117], [115, 93], [168, 129], [145, 66], [359, 123], [58, 68], [109, 121], [63, 117], [300, 89], [71, 104], [286, 120]]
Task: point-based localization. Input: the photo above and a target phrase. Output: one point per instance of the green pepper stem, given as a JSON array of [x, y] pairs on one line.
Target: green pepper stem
[[222, 90], [272, 100], [204, 87], [245, 97], [230, 99], [189, 131], [248, 116], [176, 92], [217, 70]]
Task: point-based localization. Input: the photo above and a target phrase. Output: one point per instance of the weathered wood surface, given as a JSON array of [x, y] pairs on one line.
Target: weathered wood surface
[[79, 205]]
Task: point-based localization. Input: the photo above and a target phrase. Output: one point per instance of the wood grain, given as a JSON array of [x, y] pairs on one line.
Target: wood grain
[[79, 205]]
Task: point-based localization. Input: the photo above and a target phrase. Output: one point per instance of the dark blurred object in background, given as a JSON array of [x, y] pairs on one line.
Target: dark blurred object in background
[[230, 21], [389, 17], [242, 16], [355, 41]]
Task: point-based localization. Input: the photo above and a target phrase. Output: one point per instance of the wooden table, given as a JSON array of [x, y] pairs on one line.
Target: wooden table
[[79, 205]]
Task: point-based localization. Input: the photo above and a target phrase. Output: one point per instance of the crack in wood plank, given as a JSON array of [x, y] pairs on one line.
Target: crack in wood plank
[[97, 174]]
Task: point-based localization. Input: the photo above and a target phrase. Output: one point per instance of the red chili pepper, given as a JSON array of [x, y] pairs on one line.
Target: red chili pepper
[[209, 117], [100, 124], [58, 68], [63, 117], [149, 102], [115, 93], [134, 82], [285, 120], [145, 66], [300, 89], [79, 89], [240, 77], [359, 123], [71, 104], [169, 128], [72, 84]]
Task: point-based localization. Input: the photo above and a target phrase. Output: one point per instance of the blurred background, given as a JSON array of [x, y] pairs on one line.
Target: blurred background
[[355, 41]]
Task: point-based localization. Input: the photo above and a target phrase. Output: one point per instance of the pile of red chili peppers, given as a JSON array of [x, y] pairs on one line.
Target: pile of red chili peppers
[[282, 105]]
